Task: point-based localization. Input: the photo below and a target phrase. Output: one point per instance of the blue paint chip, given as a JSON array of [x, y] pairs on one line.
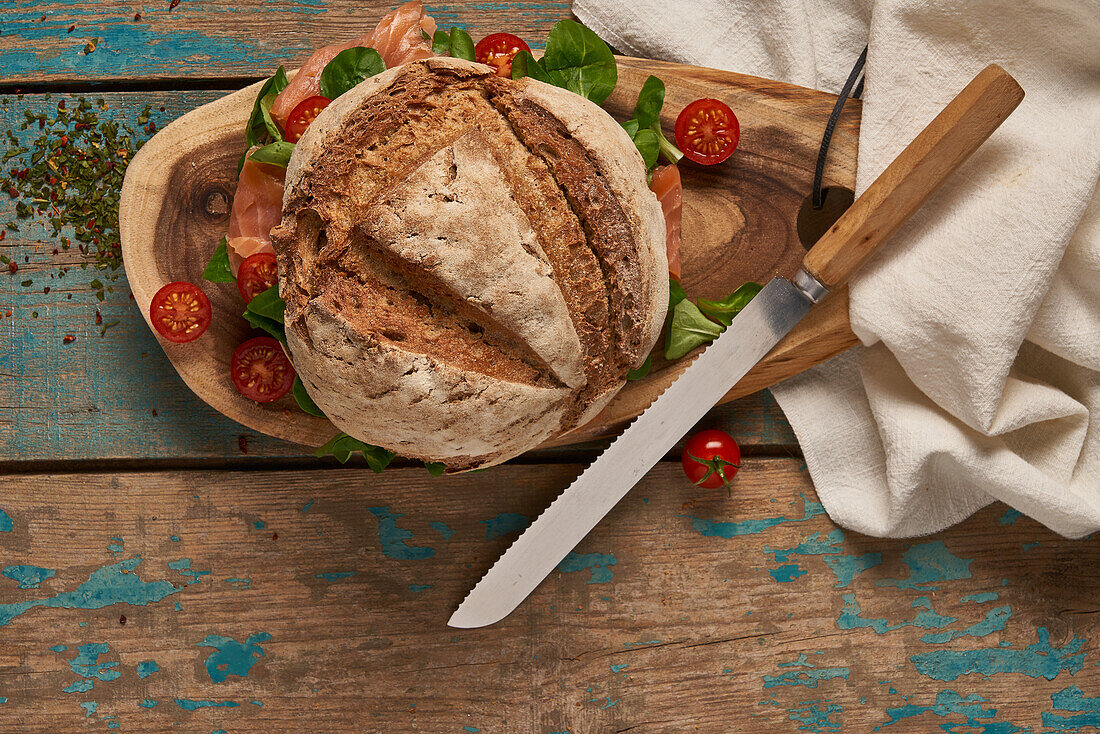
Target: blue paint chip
[[786, 573], [86, 665], [183, 565], [306, 506], [618, 668], [994, 621], [27, 577], [1010, 516], [1029, 546], [981, 598], [417, 588], [232, 657], [392, 538], [716, 529], [804, 674], [59, 648], [116, 546], [1038, 660], [259, 524], [147, 668], [851, 617], [147, 703], [847, 568], [90, 707], [6, 523], [174, 538], [470, 728], [929, 563], [335, 575], [599, 563], [442, 529], [503, 524], [1072, 699], [188, 704]]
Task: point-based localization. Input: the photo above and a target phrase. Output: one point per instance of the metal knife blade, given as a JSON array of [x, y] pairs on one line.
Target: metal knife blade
[[766, 319]]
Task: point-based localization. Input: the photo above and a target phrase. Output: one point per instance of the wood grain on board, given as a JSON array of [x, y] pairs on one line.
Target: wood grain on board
[[738, 226], [316, 601]]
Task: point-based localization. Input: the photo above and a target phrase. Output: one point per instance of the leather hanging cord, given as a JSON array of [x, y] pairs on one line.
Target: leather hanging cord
[[823, 152]]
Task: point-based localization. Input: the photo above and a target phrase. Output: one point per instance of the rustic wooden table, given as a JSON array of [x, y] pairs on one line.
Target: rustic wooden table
[[165, 570]]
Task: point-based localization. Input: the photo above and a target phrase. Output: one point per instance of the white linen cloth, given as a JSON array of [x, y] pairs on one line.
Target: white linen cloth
[[980, 375]]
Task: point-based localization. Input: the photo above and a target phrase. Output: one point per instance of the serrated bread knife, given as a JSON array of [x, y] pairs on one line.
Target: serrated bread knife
[[887, 203]]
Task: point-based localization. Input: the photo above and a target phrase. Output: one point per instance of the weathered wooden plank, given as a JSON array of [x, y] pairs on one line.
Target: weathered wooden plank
[[49, 41], [94, 398], [316, 601]]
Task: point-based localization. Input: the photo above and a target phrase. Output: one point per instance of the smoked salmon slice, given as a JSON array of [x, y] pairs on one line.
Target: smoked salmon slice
[[398, 38], [667, 186], [257, 208]]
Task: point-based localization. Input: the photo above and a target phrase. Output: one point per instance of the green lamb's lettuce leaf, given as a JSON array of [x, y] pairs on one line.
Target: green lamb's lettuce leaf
[[218, 270], [645, 127], [348, 68], [441, 43], [461, 46], [723, 311], [651, 99], [676, 293], [342, 446], [265, 311], [435, 468], [689, 329], [575, 59], [261, 127], [305, 402], [277, 154]]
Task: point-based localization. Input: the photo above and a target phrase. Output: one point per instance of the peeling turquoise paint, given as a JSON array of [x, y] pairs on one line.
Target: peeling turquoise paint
[[59, 648], [981, 598], [116, 546], [1010, 516], [847, 568], [28, 577], [417, 588], [188, 704], [504, 523], [599, 563], [393, 538], [1038, 660], [994, 621], [306, 506], [639, 644], [6, 523], [238, 583], [716, 529], [811, 546], [89, 707], [174, 538], [470, 728], [786, 573], [113, 584], [335, 575], [812, 716], [929, 563], [1072, 699], [806, 675], [146, 668], [232, 657], [948, 703], [183, 565], [1029, 546], [851, 617], [259, 524], [86, 665], [618, 668], [147, 703], [442, 529]]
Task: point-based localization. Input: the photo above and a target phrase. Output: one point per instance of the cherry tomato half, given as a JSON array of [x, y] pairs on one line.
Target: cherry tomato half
[[305, 113], [180, 312], [707, 131], [257, 273], [260, 370], [498, 50], [711, 458]]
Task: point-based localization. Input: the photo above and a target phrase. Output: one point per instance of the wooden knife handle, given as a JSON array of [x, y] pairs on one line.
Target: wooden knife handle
[[962, 126]]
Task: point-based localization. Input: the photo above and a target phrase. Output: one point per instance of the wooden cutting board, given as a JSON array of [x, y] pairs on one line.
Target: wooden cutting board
[[738, 225]]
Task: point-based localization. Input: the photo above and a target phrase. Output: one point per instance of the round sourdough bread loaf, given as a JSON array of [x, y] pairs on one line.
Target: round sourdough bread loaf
[[470, 264]]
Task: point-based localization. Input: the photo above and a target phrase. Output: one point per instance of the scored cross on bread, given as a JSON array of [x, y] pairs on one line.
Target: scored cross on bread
[[470, 264]]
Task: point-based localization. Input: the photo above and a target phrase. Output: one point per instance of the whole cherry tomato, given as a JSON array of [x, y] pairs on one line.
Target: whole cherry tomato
[[711, 458]]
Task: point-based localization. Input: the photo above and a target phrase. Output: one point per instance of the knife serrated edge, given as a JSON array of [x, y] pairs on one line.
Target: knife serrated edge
[[803, 289]]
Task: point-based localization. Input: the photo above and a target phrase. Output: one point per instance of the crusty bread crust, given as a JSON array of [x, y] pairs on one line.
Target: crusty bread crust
[[470, 264]]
